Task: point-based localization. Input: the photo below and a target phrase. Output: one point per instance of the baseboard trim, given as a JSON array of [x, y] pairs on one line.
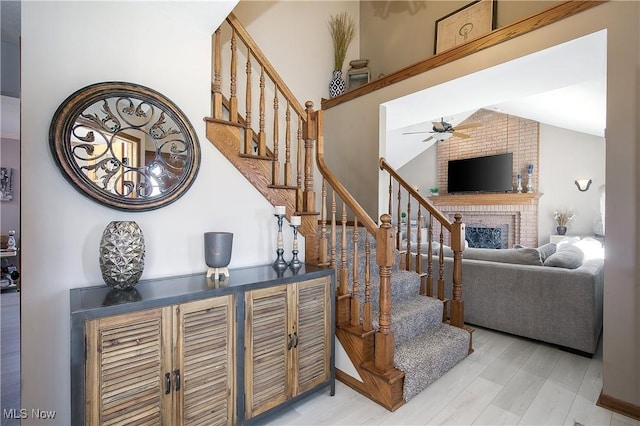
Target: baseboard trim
[[619, 406]]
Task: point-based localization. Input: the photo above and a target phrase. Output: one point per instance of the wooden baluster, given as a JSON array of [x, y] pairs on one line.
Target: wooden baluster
[[287, 144], [275, 163], [441, 267], [262, 136], [332, 260], [299, 191], [385, 258], [309, 203], [407, 261], [355, 301], [248, 132], [399, 219], [367, 324], [418, 268], [233, 99], [323, 225], [429, 289], [344, 271], [390, 211], [216, 107], [457, 245]]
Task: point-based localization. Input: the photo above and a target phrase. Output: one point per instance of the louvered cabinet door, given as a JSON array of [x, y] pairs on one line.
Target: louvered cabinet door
[[267, 349], [312, 353], [127, 357], [204, 360]]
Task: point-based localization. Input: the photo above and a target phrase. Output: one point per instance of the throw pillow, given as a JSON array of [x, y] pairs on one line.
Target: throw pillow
[[566, 256], [521, 256], [547, 250]]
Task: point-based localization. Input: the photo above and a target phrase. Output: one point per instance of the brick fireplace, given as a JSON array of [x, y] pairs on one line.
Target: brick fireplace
[[518, 213]]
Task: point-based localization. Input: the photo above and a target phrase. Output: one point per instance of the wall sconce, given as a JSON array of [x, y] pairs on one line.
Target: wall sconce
[[583, 184]]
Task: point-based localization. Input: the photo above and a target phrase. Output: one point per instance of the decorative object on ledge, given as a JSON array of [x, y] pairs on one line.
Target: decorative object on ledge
[[530, 179], [6, 184], [296, 221], [434, 191], [358, 74], [342, 28], [562, 218], [11, 241], [217, 253], [583, 184], [122, 254], [279, 263], [125, 146], [465, 24], [519, 188]]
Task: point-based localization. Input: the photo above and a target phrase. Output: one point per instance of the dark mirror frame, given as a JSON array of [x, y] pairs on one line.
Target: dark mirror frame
[[168, 123]]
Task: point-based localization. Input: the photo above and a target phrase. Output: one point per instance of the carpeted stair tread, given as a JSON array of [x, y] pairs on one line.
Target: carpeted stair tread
[[428, 356], [413, 317]]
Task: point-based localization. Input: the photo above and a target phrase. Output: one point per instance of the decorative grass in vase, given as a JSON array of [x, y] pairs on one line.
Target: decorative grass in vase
[[562, 218], [342, 28]]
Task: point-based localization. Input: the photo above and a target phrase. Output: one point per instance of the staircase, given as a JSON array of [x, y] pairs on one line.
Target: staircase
[[399, 334]]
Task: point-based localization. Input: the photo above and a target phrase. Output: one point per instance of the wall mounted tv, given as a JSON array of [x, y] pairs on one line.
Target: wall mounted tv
[[493, 173]]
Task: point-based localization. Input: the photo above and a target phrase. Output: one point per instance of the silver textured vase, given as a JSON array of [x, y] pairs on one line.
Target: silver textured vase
[[122, 254]]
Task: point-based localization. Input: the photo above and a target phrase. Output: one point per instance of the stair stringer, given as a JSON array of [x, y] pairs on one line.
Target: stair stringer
[[226, 136], [384, 388]]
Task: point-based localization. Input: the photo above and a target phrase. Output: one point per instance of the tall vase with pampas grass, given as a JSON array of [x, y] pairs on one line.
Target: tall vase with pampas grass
[[342, 28]]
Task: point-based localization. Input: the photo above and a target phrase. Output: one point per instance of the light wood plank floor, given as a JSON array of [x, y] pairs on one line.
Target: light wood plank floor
[[9, 354], [507, 381]]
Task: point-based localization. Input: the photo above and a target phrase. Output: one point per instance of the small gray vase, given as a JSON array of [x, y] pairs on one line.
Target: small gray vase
[[122, 254]]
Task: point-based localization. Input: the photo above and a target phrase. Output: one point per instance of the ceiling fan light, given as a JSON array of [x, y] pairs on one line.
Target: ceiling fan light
[[443, 136]]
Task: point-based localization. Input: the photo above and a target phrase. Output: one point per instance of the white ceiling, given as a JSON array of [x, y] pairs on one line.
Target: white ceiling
[[563, 86]]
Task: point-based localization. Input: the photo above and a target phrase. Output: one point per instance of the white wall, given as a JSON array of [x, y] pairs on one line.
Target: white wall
[[564, 157], [164, 46]]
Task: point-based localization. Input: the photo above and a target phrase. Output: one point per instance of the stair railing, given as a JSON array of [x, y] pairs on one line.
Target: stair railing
[[348, 309], [266, 142], [412, 248]]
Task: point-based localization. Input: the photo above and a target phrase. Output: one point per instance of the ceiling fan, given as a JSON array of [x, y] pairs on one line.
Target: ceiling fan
[[443, 131]]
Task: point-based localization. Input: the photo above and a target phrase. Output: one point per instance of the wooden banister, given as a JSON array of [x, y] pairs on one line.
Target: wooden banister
[[242, 33], [415, 194]]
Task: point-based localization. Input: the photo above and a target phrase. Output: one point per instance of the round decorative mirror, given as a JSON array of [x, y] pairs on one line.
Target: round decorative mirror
[[125, 146]]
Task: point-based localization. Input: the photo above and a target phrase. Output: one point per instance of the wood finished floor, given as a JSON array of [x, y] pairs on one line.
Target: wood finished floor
[[506, 381], [9, 354]]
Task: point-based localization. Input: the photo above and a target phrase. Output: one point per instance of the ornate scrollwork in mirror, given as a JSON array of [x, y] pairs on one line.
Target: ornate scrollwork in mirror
[[125, 146]]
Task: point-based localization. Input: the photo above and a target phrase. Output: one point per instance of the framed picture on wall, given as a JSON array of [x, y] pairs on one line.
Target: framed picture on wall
[[6, 184], [465, 24]]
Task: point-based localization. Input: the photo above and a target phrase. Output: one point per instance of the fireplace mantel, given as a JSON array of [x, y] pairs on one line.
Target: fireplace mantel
[[485, 199]]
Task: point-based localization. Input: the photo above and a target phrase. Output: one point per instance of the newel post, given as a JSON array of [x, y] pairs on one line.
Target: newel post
[[457, 245], [385, 257], [309, 135], [216, 107]]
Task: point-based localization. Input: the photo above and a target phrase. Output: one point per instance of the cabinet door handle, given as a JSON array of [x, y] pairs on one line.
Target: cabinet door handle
[[290, 344], [167, 388], [295, 339], [176, 373]]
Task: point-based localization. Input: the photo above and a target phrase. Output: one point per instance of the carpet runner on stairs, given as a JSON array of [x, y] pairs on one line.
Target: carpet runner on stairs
[[425, 347]]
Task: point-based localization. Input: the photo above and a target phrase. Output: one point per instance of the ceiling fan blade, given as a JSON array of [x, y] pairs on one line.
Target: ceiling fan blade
[[468, 126], [461, 135], [415, 133], [428, 139]]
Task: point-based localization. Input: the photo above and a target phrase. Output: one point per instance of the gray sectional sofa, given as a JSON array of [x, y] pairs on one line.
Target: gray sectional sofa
[[511, 290]]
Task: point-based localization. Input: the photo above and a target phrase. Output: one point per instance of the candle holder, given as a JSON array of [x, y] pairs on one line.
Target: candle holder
[[279, 263], [529, 183], [519, 183], [295, 262]]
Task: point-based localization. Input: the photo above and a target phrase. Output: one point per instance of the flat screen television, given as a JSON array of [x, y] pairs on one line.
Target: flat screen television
[[493, 173]]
